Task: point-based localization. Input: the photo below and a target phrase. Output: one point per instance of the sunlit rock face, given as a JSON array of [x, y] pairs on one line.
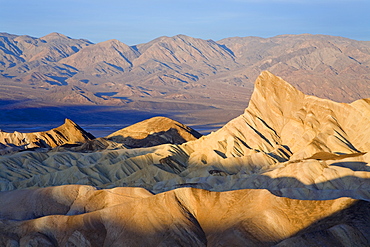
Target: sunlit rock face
[[292, 170], [68, 133]]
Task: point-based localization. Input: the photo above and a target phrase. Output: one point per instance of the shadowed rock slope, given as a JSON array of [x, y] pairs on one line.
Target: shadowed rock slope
[[68, 133]]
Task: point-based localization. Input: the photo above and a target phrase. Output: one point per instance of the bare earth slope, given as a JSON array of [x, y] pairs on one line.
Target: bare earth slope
[[292, 170]]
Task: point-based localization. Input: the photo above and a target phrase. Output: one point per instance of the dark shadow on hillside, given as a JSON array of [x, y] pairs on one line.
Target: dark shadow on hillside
[[354, 166], [227, 49], [290, 187], [170, 136], [353, 222], [59, 80]]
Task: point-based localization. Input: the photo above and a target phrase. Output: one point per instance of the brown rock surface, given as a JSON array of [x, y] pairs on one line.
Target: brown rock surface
[[150, 132]]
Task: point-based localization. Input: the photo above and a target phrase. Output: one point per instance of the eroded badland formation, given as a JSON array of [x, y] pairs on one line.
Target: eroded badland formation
[[292, 170]]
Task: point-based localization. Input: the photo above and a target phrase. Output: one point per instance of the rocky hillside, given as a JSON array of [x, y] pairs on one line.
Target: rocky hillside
[[71, 137]]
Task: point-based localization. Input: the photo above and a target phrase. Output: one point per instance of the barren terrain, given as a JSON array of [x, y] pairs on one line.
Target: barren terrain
[[291, 170]]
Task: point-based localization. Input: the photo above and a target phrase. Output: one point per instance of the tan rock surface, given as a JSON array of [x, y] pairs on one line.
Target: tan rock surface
[[154, 131], [68, 133], [150, 132], [186, 216]]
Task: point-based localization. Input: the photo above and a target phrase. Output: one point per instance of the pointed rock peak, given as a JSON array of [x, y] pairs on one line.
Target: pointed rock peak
[[155, 124], [182, 36], [273, 94], [186, 38], [269, 85], [69, 122], [74, 129], [176, 38], [268, 80], [112, 41], [67, 133], [160, 39]]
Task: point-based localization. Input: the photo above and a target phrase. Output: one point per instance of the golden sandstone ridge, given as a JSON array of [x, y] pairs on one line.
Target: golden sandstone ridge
[[292, 170]]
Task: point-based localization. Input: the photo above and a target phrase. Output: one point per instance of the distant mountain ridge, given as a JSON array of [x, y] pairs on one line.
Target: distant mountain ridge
[[59, 70]]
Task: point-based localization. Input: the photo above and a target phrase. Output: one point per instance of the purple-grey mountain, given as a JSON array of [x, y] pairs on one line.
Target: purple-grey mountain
[[198, 79]]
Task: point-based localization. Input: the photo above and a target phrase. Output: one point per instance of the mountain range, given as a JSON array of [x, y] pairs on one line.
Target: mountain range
[[191, 79]]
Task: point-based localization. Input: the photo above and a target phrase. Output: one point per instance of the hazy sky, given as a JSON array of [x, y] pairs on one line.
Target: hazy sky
[[140, 21]]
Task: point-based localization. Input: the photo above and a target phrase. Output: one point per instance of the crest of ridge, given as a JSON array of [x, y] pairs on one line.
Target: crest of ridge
[[284, 124]]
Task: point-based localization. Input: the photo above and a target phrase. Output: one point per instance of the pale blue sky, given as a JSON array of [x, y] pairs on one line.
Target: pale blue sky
[[139, 21]]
